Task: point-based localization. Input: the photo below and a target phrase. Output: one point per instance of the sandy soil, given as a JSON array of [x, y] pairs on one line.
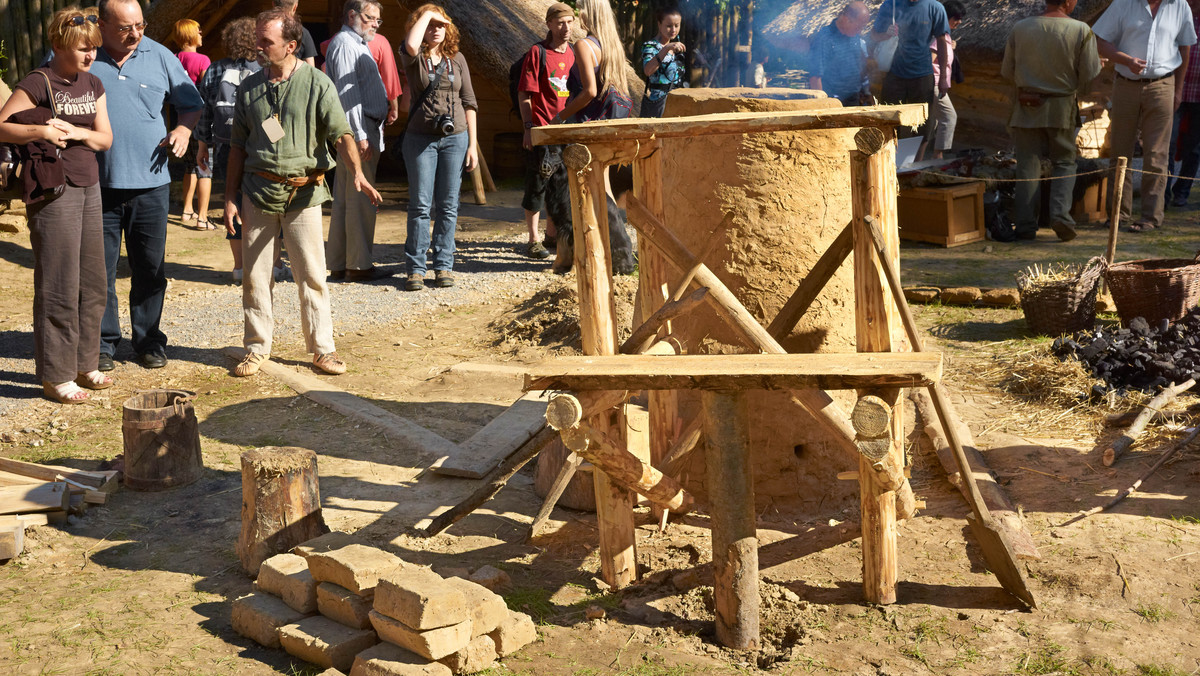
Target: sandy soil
[[144, 584]]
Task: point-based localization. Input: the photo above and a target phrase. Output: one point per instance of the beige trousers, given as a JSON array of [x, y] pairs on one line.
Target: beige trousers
[[352, 219], [1147, 108], [306, 251]]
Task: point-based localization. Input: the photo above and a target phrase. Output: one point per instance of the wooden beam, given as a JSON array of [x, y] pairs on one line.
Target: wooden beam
[[812, 284], [910, 115], [730, 481], [12, 537], [40, 472], [396, 430], [215, 17], [737, 372], [877, 330], [40, 497], [625, 468], [586, 177], [645, 334], [501, 436]]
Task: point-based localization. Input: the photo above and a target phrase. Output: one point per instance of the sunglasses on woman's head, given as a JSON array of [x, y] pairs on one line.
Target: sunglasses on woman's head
[[82, 19]]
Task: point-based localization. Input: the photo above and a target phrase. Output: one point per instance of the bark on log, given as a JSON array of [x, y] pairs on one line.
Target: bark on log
[[1002, 509], [281, 503], [625, 468], [1114, 452]]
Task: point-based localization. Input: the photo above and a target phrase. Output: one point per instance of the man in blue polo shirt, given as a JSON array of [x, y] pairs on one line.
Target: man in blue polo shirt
[[839, 57], [139, 76], [917, 23]]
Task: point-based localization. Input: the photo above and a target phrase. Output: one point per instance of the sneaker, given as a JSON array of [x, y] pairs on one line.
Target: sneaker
[[414, 282], [329, 363], [250, 364], [537, 250], [443, 279], [237, 275]]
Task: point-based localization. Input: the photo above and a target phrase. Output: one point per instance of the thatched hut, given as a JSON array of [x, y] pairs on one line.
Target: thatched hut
[[982, 100], [495, 34]]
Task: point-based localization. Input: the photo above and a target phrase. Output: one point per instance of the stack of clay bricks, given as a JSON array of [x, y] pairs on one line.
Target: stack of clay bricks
[[342, 604]]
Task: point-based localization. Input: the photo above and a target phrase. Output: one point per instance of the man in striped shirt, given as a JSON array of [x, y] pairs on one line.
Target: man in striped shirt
[[356, 76]]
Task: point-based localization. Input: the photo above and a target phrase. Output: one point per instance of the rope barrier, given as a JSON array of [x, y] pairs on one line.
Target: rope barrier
[[997, 179]]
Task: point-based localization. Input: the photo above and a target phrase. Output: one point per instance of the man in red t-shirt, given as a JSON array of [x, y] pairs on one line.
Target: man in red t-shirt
[[542, 93]]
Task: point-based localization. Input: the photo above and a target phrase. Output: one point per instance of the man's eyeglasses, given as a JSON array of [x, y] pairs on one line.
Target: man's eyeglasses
[[368, 20], [82, 19], [126, 30]]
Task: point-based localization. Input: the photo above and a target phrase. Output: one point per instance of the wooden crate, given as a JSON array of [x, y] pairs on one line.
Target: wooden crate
[[950, 215], [1092, 206]]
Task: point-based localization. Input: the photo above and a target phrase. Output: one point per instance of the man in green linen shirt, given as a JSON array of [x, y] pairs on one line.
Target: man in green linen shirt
[[284, 118], [1051, 59]]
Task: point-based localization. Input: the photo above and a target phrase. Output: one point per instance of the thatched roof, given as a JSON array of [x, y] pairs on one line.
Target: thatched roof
[[985, 29]]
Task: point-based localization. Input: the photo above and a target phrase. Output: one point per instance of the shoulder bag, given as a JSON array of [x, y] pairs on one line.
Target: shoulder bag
[[12, 184]]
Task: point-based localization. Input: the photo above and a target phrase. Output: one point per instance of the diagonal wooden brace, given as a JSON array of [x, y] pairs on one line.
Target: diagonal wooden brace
[[812, 284], [644, 335], [625, 468]]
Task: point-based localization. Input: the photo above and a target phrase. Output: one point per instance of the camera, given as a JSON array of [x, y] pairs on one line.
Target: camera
[[444, 124]]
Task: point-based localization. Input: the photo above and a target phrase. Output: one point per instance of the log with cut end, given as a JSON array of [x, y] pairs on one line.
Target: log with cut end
[[625, 468], [281, 503], [1123, 442]]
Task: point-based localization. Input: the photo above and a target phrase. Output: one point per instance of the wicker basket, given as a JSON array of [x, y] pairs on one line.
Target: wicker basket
[[1154, 288], [1058, 307]]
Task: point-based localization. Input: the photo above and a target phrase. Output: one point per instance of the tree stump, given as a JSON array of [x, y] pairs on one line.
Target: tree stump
[[281, 503]]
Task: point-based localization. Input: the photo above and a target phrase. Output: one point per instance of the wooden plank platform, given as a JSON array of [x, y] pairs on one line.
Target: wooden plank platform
[[630, 129], [738, 372], [504, 434]]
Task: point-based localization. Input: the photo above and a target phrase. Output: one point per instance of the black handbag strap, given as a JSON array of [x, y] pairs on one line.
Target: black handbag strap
[[50, 89], [437, 78]]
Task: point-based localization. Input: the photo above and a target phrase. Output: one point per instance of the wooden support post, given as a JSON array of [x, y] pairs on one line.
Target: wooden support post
[[598, 332], [477, 182], [877, 319], [488, 184], [281, 503], [730, 482]]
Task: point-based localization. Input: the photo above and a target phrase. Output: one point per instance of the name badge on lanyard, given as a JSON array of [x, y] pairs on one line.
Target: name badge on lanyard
[[273, 129]]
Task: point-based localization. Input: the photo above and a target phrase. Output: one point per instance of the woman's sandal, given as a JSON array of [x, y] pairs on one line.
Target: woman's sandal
[[187, 216], [1141, 226], [94, 380], [205, 225], [65, 393]]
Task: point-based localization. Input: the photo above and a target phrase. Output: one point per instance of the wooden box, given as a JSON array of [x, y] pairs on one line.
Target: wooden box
[[949, 215], [1092, 206]]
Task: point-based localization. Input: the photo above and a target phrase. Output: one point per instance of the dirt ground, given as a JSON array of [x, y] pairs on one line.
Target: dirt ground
[[143, 585]]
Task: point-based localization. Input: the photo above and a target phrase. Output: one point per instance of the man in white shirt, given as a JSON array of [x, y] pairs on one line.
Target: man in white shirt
[[349, 63], [1149, 41]]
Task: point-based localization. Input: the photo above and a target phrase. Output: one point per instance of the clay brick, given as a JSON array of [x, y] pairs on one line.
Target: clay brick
[[433, 644], [479, 654], [341, 604], [287, 576], [486, 607], [327, 543], [490, 577], [385, 659], [355, 567], [322, 641], [421, 599], [514, 633], [259, 616]]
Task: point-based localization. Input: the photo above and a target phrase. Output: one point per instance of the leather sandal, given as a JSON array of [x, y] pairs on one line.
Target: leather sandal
[[94, 380], [250, 364], [65, 393], [1141, 226], [187, 216], [329, 363]]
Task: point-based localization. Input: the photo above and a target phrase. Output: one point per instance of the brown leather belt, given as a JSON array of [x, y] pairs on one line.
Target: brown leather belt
[[295, 182], [1145, 80]]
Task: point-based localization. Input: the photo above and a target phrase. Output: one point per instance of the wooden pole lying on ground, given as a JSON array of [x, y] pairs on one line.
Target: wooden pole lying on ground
[[281, 503], [997, 501], [1122, 443], [730, 481]]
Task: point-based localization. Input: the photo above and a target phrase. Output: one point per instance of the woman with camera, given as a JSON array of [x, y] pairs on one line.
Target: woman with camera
[[439, 140], [58, 112]]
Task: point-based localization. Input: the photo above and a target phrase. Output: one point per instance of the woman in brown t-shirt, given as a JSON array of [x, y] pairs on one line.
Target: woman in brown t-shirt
[[69, 274], [438, 141]]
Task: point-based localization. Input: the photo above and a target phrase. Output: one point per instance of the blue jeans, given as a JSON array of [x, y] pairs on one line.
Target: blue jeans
[[435, 169], [140, 215]]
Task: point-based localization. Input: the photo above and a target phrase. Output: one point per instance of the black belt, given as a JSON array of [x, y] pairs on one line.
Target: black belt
[[1146, 80]]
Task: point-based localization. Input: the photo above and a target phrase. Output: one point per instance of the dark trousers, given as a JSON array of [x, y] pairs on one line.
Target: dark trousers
[[68, 283], [910, 90], [140, 216], [1187, 146]]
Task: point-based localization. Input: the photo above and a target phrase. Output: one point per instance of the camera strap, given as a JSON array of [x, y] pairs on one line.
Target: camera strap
[[433, 83]]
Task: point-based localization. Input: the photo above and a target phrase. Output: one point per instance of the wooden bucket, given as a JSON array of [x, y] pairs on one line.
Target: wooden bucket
[[162, 440]]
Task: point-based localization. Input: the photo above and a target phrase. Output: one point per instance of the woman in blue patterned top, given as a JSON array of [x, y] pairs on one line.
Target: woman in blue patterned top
[[662, 62]]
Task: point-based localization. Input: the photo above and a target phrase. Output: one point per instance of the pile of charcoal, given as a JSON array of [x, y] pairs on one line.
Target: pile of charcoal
[[1141, 357]]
